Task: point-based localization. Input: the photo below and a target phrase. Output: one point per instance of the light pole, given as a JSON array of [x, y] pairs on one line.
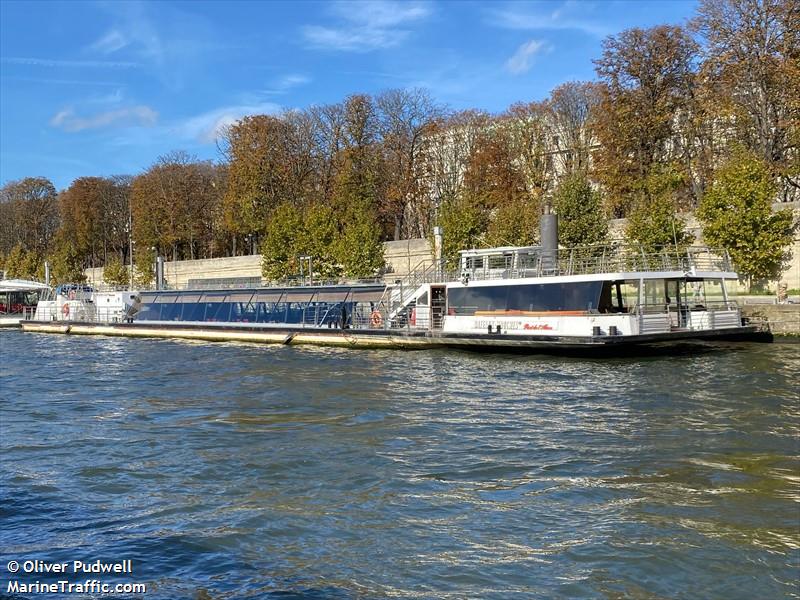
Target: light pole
[[130, 245]]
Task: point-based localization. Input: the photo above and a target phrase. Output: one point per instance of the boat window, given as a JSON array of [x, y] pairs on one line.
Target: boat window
[[272, 296], [240, 297], [579, 296], [366, 295], [165, 298], [711, 291], [423, 300], [298, 296], [331, 296], [654, 293]]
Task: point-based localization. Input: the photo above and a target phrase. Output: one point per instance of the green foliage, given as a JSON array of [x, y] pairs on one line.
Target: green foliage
[[359, 248], [581, 220], [115, 273], [23, 264], [282, 243], [653, 222], [737, 215], [464, 224], [14, 261], [144, 267], [316, 237], [67, 266], [514, 223]]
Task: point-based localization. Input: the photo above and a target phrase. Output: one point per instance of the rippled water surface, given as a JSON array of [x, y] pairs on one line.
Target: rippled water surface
[[235, 470]]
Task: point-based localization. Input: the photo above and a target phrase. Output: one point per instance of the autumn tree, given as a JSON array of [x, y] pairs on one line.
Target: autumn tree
[[569, 108], [29, 214], [493, 177], [526, 131], [737, 215], [581, 219], [646, 80], [271, 161], [81, 207], [405, 117], [175, 205], [448, 151], [751, 75]]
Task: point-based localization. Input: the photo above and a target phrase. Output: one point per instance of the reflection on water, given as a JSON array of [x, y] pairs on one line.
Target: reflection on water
[[235, 470]]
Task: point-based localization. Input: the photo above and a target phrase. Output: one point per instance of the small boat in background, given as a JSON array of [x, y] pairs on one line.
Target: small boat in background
[[18, 296]]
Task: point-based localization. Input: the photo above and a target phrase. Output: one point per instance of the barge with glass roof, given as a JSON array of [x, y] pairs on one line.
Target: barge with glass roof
[[531, 299]]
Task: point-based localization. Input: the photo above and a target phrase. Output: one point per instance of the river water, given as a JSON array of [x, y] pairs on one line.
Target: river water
[[238, 470]]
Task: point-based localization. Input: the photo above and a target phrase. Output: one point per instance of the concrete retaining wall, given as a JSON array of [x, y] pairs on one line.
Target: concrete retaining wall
[[784, 319], [401, 257]]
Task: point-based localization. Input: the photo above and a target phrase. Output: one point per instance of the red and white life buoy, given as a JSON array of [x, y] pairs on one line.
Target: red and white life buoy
[[413, 318], [65, 309], [376, 319]]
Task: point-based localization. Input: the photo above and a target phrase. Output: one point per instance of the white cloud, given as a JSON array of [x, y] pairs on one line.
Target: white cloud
[[521, 61], [559, 19], [284, 84], [67, 120], [111, 42], [366, 25], [48, 62], [208, 127]]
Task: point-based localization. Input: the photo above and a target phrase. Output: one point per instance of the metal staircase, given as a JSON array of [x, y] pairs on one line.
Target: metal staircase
[[400, 299]]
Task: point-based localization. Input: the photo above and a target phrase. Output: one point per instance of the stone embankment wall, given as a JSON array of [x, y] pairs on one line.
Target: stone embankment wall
[[402, 257], [784, 319]]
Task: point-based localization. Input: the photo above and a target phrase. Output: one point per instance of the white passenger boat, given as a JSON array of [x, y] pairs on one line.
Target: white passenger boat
[[17, 296], [533, 299]]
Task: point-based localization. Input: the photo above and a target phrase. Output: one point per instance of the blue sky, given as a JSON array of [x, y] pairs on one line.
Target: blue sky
[[104, 88]]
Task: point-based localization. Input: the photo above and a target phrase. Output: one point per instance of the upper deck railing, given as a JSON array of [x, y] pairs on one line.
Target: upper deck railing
[[508, 263]]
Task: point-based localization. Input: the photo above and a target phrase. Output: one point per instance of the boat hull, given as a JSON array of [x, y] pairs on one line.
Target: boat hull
[[603, 345]]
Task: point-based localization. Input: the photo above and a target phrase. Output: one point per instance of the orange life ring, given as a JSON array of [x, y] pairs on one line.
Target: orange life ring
[[376, 319], [413, 318], [65, 309]]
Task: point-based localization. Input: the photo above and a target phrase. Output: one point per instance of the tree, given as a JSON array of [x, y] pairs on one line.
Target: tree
[[463, 225], [526, 131], [271, 161], [115, 273], [15, 263], [81, 207], [67, 264], [175, 205], [28, 214], [647, 79], [405, 117], [449, 147], [359, 247], [653, 222], [493, 178], [581, 220], [750, 69], [317, 238], [514, 223], [737, 215], [570, 106], [144, 267], [280, 250]]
